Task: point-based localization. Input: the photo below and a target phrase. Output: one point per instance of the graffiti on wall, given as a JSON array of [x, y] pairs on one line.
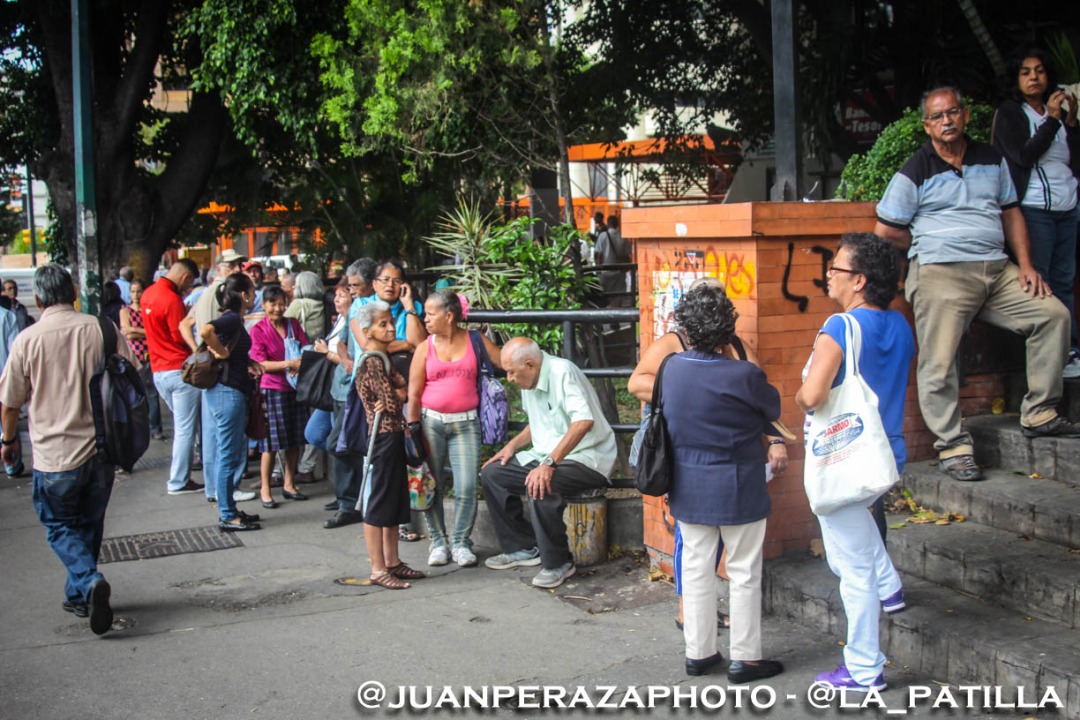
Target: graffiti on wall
[[820, 282], [673, 277]]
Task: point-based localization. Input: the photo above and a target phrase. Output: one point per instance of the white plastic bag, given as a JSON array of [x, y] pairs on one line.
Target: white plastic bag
[[848, 456]]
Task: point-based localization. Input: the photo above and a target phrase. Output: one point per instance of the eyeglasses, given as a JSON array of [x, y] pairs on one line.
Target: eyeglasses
[[836, 269], [389, 281], [937, 117]]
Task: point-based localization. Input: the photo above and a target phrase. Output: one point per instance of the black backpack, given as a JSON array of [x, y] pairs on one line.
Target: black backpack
[[121, 409]]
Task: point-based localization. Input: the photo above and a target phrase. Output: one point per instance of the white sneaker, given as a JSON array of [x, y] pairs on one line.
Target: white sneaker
[[244, 495], [1072, 368], [438, 556], [464, 557]]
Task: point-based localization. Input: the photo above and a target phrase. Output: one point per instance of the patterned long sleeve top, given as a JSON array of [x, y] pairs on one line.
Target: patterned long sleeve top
[[374, 384]]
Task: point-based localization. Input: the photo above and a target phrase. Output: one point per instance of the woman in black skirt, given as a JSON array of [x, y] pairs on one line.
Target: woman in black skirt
[[385, 498]]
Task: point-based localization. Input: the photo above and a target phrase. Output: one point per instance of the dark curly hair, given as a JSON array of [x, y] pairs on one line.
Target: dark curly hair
[[707, 317], [879, 262]]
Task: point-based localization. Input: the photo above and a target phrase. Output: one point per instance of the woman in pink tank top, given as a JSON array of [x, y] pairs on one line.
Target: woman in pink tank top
[[443, 395]]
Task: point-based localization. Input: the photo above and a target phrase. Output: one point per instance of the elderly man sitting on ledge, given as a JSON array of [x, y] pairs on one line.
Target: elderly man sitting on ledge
[[573, 450]]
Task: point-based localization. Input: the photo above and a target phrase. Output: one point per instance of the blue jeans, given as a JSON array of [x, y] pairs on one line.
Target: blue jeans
[[71, 505], [224, 444], [318, 428], [183, 401], [1053, 254], [212, 453], [461, 441]]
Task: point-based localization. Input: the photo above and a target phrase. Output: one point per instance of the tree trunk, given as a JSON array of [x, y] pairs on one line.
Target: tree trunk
[[139, 213]]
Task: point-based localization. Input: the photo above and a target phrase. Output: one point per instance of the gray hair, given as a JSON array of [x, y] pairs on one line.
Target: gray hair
[[524, 351], [363, 268], [307, 285], [365, 316], [53, 286], [127, 273], [290, 276], [942, 89]]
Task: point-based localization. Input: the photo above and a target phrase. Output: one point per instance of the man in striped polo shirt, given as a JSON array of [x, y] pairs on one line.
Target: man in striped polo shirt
[[954, 206]]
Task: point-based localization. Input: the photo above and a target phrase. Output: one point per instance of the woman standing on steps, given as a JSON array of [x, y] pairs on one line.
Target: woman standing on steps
[[863, 280]]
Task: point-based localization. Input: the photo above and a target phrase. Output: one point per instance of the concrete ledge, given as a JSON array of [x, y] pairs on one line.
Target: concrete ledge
[[945, 635], [624, 522], [1034, 507], [999, 442], [1002, 568]]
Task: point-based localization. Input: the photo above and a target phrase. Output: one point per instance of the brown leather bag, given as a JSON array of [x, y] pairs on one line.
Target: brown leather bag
[[203, 370]]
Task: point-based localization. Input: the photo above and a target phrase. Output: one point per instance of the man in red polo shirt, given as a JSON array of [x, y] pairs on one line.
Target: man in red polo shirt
[[163, 309]]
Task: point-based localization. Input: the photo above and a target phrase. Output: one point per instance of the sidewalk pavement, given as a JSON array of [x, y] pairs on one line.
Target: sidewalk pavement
[[263, 631]]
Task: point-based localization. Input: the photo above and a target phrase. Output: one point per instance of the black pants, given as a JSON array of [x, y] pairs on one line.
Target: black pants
[[504, 486], [348, 469]]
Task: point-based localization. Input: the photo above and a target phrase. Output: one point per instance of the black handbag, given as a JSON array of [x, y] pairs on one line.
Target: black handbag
[[652, 476], [314, 381]]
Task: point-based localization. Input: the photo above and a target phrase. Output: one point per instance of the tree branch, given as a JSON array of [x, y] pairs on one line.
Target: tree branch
[[139, 69]]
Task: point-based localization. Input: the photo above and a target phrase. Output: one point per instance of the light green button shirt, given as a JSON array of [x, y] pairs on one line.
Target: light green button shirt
[[563, 395]]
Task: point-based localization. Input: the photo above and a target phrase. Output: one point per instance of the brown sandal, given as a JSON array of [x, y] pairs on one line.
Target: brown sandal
[[388, 581], [403, 571]]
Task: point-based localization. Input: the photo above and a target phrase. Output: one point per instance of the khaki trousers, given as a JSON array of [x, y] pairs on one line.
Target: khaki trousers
[[946, 298], [745, 545]]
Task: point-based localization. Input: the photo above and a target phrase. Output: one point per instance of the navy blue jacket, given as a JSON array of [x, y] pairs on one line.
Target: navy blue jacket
[[716, 411]]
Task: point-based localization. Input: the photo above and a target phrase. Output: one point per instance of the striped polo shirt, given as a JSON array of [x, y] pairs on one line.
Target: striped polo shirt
[[954, 214]]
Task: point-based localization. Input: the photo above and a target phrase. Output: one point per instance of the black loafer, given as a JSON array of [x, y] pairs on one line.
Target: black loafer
[[242, 526], [744, 672], [294, 495], [79, 610], [270, 504], [330, 506], [247, 517], [704, 665], [341, 519]]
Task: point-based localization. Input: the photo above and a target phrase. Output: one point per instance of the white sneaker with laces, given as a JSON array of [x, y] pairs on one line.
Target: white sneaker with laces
[[464, 557], [438, 556], [244, 495]]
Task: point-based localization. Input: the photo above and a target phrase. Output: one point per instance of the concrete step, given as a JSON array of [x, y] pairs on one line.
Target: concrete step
[[1034, 507], [945, 635], [1002, 568], [999, 442]]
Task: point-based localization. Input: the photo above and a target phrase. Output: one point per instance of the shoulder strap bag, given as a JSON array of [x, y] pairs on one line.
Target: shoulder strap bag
[[848, 455], [653, 473]]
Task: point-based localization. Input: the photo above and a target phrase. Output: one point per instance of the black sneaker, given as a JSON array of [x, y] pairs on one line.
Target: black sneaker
[[79, 610], [1058, 427], [962, 468]]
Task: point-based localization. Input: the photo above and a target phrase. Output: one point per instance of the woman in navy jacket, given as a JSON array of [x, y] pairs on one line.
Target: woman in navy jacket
[[717, 410]]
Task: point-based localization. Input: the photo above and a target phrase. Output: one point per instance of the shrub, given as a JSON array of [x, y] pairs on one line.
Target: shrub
[[866, 176]]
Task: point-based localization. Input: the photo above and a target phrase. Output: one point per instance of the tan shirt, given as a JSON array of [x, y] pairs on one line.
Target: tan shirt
[[50, 366]]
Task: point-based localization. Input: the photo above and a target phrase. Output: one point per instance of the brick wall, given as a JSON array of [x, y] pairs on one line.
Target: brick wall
[[772, 257]]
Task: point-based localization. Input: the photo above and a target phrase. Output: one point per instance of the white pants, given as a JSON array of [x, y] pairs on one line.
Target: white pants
[[857, 555], [744, 552]]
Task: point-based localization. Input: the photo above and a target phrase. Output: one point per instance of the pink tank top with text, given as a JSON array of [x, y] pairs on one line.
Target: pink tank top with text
[[450, 386]]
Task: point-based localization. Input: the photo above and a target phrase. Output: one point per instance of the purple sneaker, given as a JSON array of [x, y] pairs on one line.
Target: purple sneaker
[[895, 602], [840, 678]]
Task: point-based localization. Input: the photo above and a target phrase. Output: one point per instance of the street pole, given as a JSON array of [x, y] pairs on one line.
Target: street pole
[[30, 216], [785, 102], [86, 237]]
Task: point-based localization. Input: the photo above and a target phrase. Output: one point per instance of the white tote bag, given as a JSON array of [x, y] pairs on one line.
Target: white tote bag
[[848, 456]]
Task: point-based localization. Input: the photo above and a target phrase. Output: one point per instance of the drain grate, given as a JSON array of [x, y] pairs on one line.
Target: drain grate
[[165, 543], [151, 463]]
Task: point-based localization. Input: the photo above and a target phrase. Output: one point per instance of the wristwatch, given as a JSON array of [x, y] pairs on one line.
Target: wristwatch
[[550, 462]]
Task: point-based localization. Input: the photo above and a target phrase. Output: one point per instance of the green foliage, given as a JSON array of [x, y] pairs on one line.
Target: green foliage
[[56, 245], [1068, 66], [503, 268], [866, 176]]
